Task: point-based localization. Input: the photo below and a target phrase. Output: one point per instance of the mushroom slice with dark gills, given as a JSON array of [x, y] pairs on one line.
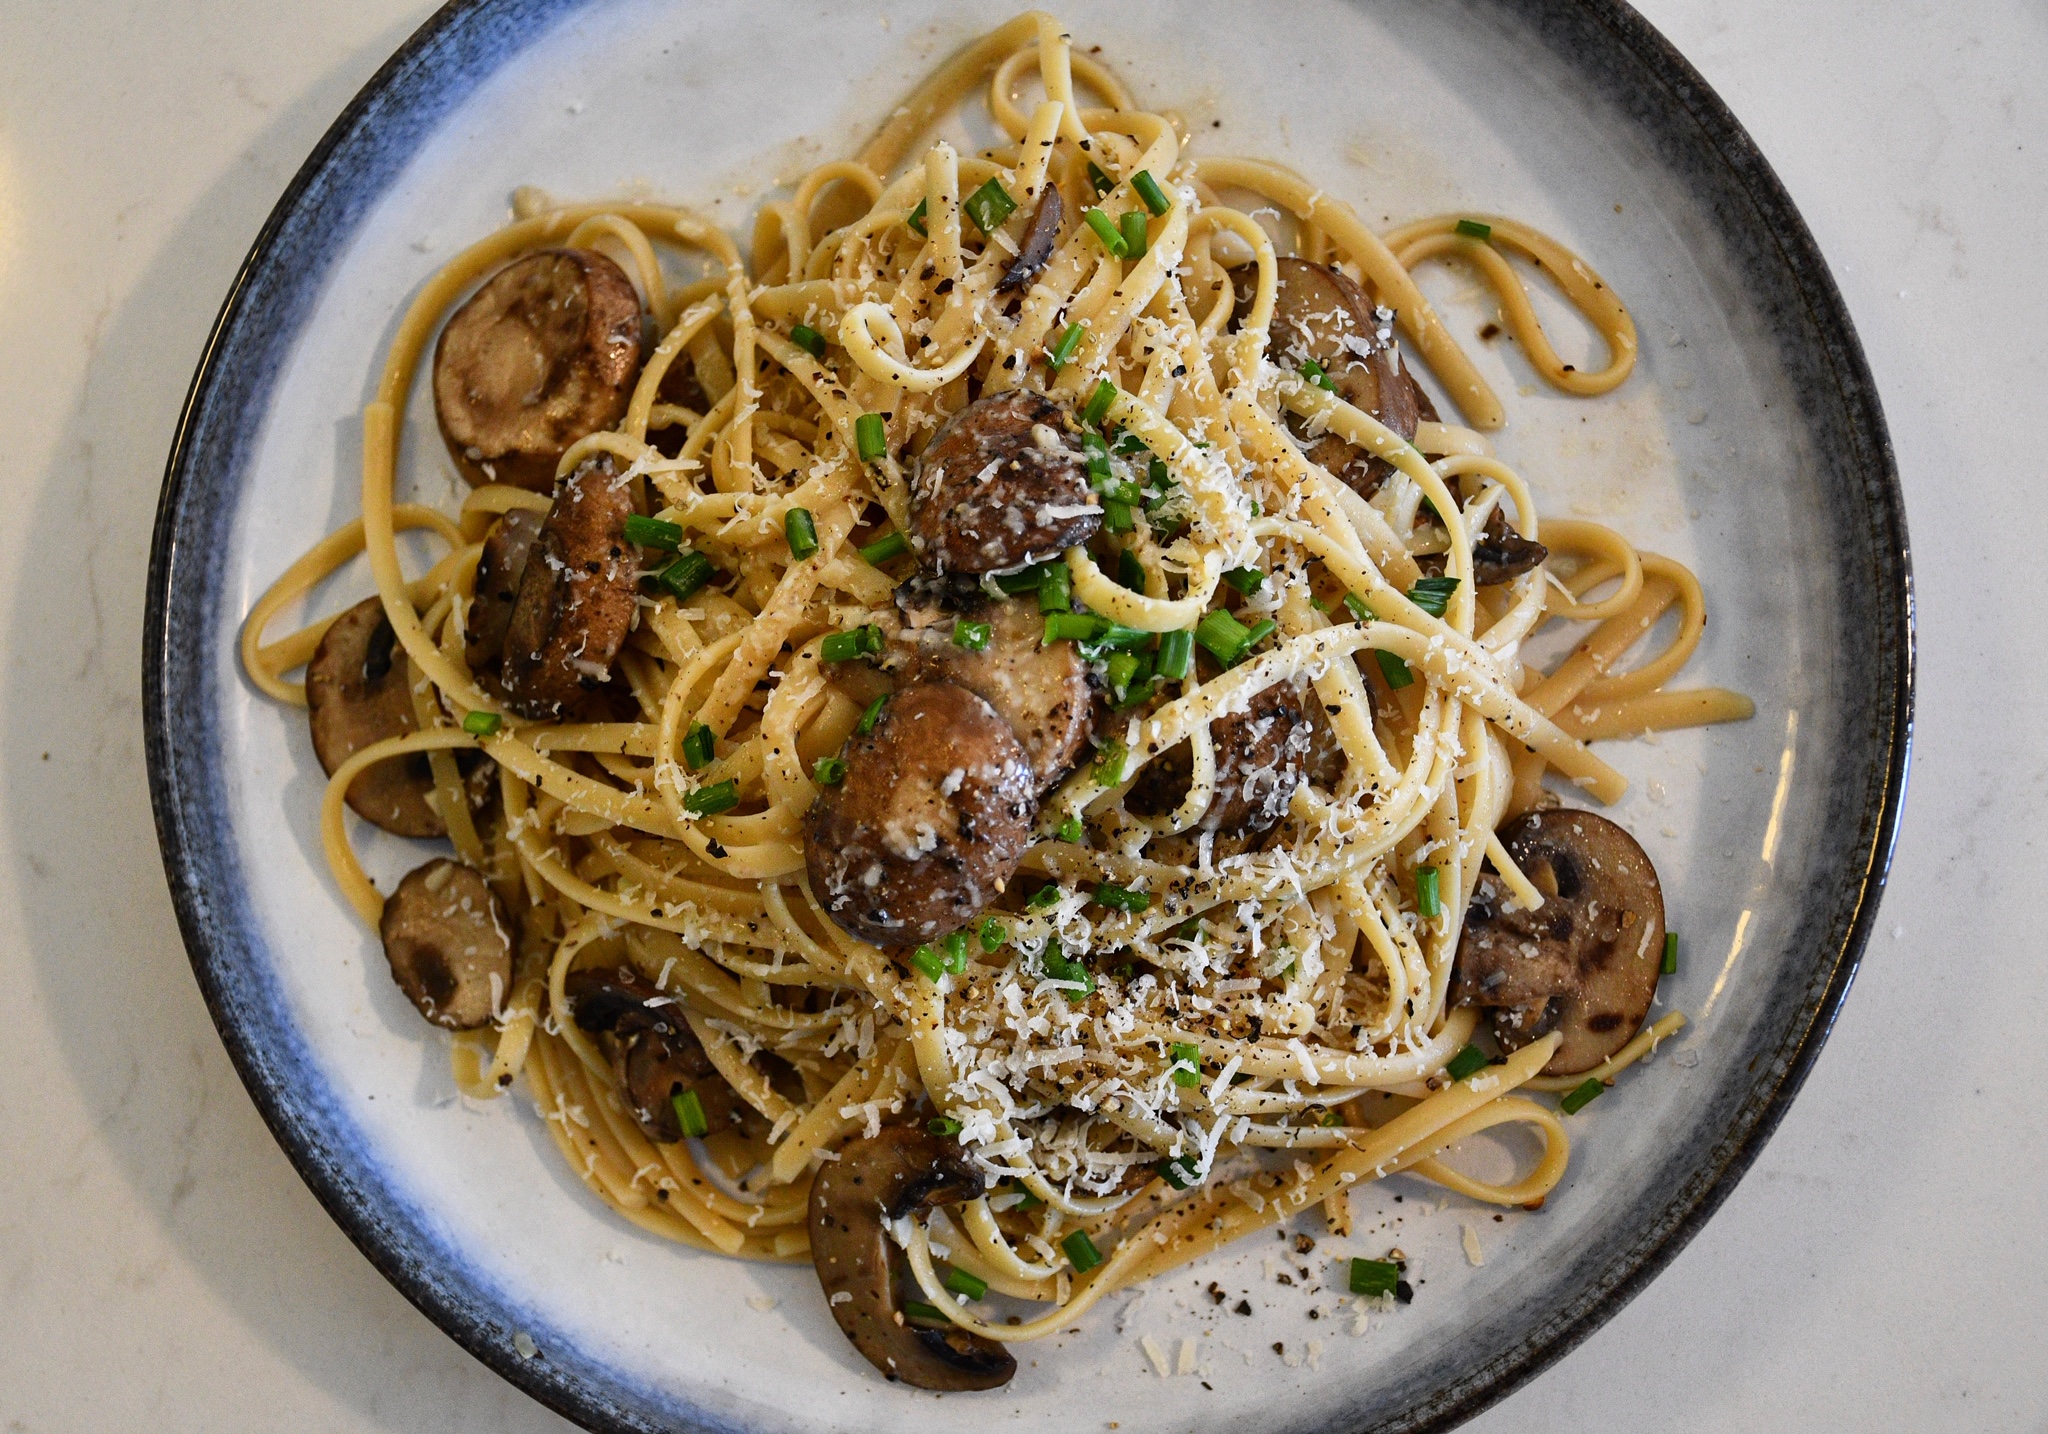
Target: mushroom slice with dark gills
[[1262, 756], [1004, 482], [1041, 690], [448, 944], [540, 356], [576, 598], [1321, 316], [930, 821], [356, 694], [898, 1171], [1038, 240], [497, 587], [654, 1053], [1585, 962]]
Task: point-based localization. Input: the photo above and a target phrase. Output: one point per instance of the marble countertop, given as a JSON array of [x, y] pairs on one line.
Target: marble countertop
[[1883, 1266]]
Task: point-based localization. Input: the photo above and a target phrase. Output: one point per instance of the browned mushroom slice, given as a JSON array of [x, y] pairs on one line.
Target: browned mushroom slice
[[654, 1053], [1321, 316], [543, 354], [497, 586], [577, 596], [1002, 483], [356, 694], [1041, 691], [449, 948], [1261, 757], [898, 1171], [1585, 962], [1501, 555], [930, 822], [1038, 240]]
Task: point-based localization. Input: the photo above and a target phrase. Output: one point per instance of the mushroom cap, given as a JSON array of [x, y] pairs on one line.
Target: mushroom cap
[[1586, 962], [654, 1053], [897, 1171], [498, 571], [540, 356], [1038, 240], [930, 822], [357, 694], [448, 944], [578, 593], [1002, 483], [1262, 756]]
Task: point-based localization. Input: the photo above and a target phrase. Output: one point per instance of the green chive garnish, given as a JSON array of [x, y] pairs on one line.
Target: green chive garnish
[[1071, 829], [955, 947], [1116, 516], [1099, 402], [930, 1314], [653, 532], [1148, 190], [690, 1115], [1043, 899], [1314, 373], [808, 339], [1428, 893], [1176, 655], [1063, 350], [1473, 229], [1123, 670], [1468, 1060], [1068, 626], [1105, 229], [1102, 182], [1433, 595], [962, 1283], [1374, 1277], [1109, 764], [685, 575], [1356, 606], [1581, 1096], [872, 715], [993, 934], [482, 724], [1119, 898], [1223, 635], [1187, 1064], [829, 771], [930, 961], [1669, 968], [989, 206], [699, 747], [845, 646], [1178, 1171], [889, 545], [1245, 580], [916, 220], [1132, 227], [802, 531], [1055, 587], [710, 801], [973, 636], [871, 435], [1081, 1251], [944, 1125], [1130, 572], [1394, 669]]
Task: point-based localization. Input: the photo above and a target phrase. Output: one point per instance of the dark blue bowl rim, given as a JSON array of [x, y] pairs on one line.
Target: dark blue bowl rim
[[170, 687]]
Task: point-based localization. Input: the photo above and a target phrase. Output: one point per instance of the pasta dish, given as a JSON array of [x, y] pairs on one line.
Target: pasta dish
[[983, 741]]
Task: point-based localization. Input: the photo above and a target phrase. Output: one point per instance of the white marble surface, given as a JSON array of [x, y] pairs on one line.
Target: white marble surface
[[1885, 1264]]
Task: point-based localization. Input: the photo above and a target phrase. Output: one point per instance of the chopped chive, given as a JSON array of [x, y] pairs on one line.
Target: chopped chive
[[829, 771], [699, 747], [685, 575], [1428, 893], [1096, 447], [802, 531], [1043, 899], [1063, 350], [962, 1283], [973, 636], [915, 220], [1071, 829], [1259, 631], [955, 946], [1123, 670], [1148, 190], [1315, 374], [889, 545], [1468, 1061], [930, 1314], [1059, 967], [993, 934], [943, 1125], [1669, 968], [1245, 580], [1025, 581], [989, 206], [1394, 669], [1433, 595], [482, 724], [1114, 635], [1581, 1096], [1102, 182], [1176, 655], [1068, 626], [1356, 606], [1130, 572], [653, 532], [1119, 898], [930, 961], [845, 646], [1116, 516], [1374, 1277], [1156, 474], [871, 436], [1105, 229], [710, 801], [1118, 491], [1187, 1064], [690, 1115], [872, 715], [1223, 635], [1081, 1250], [1473, 229], [1129, 444], [1132, 227], [1176, 1171], [1055, 587], [808, 339], [1099, 402], [1109, 763]]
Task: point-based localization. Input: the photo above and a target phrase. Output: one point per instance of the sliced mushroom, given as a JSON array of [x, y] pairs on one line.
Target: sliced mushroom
[[577, 597], [1262, 756], [1501, 555], [898, 1171], [356, 694], [1002, 483], [1320, 315], [654, 1053], [540, 356], [448, 944], [497, 588], [1038, 240], [930, 821], [1586, 962], [1041, 691]]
